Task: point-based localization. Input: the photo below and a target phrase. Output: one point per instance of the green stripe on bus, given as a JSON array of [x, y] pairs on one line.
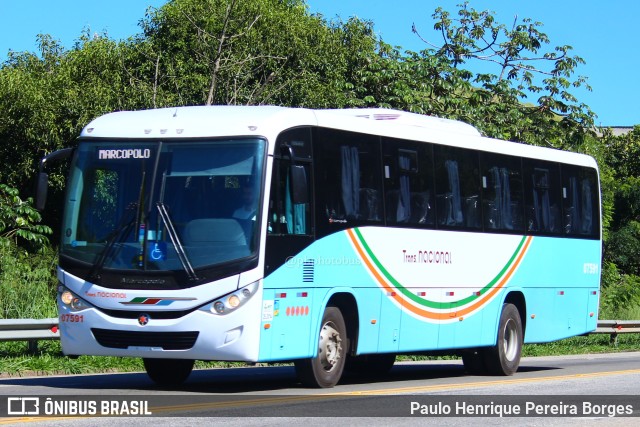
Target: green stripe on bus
[[434, 304]]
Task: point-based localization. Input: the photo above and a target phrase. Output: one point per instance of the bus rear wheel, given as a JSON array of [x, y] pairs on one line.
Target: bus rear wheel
[[504, 357], [324, 370], [168, 372]]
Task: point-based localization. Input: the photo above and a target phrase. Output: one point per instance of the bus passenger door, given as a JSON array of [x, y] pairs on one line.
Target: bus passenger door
[[290, 226], [289, 269]]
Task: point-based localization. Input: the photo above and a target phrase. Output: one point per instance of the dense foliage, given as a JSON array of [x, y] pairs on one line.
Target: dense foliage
[[195, 52]]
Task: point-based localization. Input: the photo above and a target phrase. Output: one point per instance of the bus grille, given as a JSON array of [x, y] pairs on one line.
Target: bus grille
[[165, 340]]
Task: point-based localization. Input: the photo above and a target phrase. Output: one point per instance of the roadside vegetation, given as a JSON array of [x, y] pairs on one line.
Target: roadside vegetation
[[15, 361], [195, 52]]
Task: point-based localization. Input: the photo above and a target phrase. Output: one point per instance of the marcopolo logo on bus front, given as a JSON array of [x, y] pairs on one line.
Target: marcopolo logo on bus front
[[128, 153]]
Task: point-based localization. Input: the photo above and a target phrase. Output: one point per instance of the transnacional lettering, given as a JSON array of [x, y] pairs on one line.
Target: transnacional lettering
[[427, 257]]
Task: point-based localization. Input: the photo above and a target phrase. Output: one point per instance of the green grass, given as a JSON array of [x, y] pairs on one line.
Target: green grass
[[596, 343], [27, 284], [15, 361], [630, 313], [49, 360]]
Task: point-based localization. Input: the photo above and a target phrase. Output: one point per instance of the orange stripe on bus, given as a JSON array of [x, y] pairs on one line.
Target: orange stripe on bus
[[433, 315]]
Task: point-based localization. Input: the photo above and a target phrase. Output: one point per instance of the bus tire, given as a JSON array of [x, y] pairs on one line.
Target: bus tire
[[324, 370], [370, 364], [473, 361], [504, 357], [168, 372]]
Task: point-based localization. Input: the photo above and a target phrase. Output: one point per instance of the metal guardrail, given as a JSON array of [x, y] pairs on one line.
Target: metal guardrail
[[32, 330], [615, 327]]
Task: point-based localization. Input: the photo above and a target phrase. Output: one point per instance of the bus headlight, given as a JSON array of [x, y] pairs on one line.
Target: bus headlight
[[71, 301], [66, 297], [218, 306], [232, 301], [78, 304]]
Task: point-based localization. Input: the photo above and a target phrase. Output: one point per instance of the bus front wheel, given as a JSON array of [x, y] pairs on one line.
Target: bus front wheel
[[168, 372], [324, 370], [504, 357]]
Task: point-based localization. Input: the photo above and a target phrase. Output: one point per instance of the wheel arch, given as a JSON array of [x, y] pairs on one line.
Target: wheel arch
[[346, 302], [516, 297]]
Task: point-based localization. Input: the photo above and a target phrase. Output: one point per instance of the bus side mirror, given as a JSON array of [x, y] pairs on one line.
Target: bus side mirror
[[299, 185], [42, 188]]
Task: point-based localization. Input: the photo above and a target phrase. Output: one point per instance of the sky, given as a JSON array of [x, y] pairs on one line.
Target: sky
[[603, 33]]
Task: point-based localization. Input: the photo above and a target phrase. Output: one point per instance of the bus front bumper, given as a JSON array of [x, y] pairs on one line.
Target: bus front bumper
[[199, 335]]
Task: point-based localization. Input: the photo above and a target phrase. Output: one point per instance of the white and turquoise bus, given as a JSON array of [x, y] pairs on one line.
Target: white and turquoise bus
[[335, 239]]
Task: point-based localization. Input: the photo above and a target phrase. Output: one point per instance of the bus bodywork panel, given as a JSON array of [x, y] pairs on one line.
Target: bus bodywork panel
[[232, 336], [428, 290], [431, 285]]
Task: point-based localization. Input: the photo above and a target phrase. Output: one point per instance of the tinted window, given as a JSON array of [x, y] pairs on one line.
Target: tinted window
[[349, 178], [174, 206], [542, 196], [286, 214], [409, 190], [502, 203], [457, 187], [580, 205]]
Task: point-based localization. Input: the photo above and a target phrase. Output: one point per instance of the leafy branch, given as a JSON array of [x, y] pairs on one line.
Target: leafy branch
[[19, 220]]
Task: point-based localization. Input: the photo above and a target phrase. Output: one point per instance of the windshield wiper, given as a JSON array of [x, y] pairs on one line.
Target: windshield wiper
[[116, 236], [173, 235]]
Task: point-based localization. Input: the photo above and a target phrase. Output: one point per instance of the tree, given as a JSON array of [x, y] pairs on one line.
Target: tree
[[254, 52], [191, 52], [623, 153], [47, 99], [499, 102], [19, 221], [623, 244], [195, 52]]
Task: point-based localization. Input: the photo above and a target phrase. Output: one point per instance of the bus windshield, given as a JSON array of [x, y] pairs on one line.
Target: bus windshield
[[163, 206]]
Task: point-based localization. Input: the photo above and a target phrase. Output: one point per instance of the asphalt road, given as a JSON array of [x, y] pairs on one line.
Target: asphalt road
[[598, 386]]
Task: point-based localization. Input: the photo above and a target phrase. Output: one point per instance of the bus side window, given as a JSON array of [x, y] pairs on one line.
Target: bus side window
[[502, 192], [579, 201], [350, 177], [286, 215], [408, 173], [542, 191], [457, 187], [360, 191]]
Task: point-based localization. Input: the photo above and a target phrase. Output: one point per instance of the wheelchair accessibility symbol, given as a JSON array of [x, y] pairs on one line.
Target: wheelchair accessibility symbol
[[157, 251]]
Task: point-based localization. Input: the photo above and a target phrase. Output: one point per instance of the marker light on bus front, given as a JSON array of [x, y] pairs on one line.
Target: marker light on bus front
[[232, 301]]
